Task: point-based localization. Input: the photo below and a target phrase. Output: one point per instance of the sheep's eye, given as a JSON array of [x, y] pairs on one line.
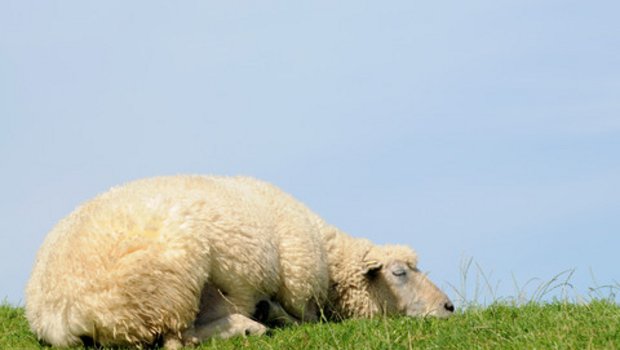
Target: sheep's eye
[[399, 273]]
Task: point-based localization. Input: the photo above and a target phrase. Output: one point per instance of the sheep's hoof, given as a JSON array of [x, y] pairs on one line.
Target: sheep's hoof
[[255, 329]]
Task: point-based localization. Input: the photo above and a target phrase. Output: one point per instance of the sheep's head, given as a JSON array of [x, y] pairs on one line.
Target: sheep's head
[[396, 286]]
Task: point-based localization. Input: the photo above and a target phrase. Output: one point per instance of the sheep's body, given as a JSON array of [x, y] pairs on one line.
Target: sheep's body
[[132, 264]]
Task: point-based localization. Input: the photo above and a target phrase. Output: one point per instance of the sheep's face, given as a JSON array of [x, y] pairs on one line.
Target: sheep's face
[[398, 287]]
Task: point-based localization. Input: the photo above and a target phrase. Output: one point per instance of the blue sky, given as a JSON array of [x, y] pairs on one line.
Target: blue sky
[[482, 129]]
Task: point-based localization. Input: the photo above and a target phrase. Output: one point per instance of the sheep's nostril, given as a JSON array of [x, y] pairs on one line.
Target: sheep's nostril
[[449, 306]]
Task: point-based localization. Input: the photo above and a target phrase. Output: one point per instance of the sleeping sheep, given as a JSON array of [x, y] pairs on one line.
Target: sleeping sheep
[[181, 259]]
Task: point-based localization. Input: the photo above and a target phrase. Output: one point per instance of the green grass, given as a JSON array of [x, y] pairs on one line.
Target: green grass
[[14, 332], [556, 325]]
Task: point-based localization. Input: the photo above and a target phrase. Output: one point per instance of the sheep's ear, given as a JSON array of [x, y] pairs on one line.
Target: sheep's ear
[[372, 267]]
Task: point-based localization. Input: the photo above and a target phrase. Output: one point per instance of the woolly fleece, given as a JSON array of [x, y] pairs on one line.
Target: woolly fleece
[[129, 266]]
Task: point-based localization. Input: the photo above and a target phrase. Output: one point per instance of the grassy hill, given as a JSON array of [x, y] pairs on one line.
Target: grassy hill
[[557, 325]]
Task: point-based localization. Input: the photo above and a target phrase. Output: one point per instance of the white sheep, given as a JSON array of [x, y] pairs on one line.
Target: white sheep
[[185, 258]]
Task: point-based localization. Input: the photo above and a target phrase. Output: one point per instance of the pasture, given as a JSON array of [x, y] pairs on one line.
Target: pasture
[[554, 325]]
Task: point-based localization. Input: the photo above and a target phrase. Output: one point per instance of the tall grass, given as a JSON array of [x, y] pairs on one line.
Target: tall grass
[[478, 288]]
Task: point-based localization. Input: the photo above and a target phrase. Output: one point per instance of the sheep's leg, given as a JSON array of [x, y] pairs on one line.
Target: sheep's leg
[[224, 327], [273, 314]]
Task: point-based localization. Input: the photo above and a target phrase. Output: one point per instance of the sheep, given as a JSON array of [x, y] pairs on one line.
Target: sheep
[[184, 258]]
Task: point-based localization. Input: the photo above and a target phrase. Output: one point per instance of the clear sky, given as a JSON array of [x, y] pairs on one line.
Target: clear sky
[[465, 129]]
